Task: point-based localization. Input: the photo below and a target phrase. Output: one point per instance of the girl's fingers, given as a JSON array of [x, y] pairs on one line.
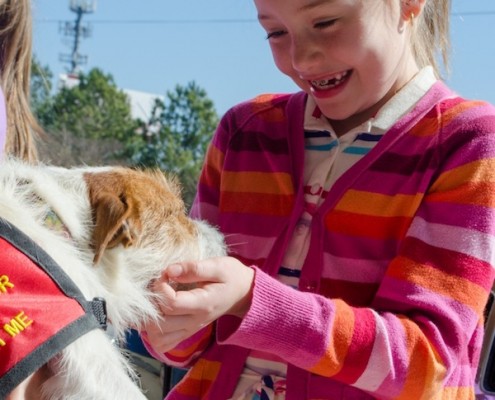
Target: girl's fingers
[[165, 296], [222, 285], [194, 271], [180, 302]]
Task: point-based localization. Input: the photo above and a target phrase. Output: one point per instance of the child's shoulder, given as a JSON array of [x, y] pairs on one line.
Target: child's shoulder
[[460, 105], [451, 112], [478, 115], [451, 102], [268, 107], [266, 101]]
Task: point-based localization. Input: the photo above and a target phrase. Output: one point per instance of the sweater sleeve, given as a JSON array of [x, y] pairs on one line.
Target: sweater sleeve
[[420, 338], [186, 352]]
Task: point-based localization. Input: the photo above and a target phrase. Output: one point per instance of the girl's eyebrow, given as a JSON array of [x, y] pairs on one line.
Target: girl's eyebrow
[[315, 3], [305, 7]]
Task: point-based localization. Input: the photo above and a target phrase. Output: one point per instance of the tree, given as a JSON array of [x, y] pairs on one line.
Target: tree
[[176, 136], [94, 108], [91, 123], [88, 122]]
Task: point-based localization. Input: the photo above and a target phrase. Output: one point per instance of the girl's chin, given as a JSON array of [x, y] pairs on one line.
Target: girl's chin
[[343, 119], [336, 111]]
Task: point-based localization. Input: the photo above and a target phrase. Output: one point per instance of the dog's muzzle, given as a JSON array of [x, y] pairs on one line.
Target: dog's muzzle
[[41, 309]]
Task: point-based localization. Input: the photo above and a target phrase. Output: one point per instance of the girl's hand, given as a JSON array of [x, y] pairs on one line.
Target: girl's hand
[[221, 286]]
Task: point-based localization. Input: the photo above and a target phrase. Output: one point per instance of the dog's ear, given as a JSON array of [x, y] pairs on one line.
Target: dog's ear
[[115, 221]]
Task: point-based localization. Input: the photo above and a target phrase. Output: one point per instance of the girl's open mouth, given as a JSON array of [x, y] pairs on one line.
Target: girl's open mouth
[[326, 84]]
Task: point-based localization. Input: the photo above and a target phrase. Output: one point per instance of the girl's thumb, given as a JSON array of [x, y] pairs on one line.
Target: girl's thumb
[[182, 273], [174, 270], [192, 272]]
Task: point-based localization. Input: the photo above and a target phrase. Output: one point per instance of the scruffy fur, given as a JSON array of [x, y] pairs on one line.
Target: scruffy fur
[[125, 226]]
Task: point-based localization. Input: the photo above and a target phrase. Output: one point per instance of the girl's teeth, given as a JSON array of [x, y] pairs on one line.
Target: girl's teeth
[[330, 83]]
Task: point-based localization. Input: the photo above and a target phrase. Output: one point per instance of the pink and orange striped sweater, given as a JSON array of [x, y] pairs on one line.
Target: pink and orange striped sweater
[[399, 267]]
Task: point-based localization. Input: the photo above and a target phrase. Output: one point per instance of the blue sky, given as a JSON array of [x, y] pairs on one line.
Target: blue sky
[[153, 45]]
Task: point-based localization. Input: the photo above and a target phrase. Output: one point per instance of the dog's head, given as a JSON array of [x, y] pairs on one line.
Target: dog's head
[[140, 225], [126, 224], [130, 208]]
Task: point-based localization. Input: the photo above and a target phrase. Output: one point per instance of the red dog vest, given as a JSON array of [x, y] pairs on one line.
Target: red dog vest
[[41, 309]]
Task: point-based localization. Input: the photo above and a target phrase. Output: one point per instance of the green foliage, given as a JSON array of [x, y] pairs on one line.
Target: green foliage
[[91, 123], [176, 136], [95, 108]]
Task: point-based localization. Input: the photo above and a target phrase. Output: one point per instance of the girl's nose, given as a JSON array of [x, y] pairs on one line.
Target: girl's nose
[[306, 55]]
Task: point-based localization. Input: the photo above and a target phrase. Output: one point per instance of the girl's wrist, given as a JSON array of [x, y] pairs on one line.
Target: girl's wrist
[[241, 307]]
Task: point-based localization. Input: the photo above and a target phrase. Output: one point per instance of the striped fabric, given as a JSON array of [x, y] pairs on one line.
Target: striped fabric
[[399, 265], [326, 157]]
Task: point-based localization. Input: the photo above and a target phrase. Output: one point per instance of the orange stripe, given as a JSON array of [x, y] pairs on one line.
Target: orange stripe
[[453, 112], [339, 341], [215, 157], [434, 280], [398, 205], [186, 352], [478, 178], [204, 369], [426, 127], [214, 162], [258, 182], [422, 369], [264, 103], [262, 204], [480, 194], [199, 379], [475, 171]]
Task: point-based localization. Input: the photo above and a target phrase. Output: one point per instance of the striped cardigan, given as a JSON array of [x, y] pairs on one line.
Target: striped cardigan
[[399, 266]]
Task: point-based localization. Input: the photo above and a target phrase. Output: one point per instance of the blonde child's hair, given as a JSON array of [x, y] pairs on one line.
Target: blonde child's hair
[[431, 36], [15, 74]]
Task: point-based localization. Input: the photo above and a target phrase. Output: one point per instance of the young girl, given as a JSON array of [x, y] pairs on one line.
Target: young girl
[[358, 214]]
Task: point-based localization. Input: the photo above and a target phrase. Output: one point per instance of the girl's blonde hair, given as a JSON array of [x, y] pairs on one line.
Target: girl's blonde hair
[[431, 36], [15, 74]]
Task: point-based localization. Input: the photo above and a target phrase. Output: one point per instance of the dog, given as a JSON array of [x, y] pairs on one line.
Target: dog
[[117, 229]]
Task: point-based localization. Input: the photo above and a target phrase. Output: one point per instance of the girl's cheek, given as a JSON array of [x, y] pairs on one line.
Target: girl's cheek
[[282, 60]]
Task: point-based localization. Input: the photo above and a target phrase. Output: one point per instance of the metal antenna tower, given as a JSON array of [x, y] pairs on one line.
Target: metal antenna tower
[[77, 30]]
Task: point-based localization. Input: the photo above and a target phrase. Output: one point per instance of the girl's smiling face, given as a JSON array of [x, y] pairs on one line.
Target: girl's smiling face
[[350, 55]]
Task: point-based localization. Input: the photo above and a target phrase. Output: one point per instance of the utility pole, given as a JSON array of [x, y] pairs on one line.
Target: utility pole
[[77, 30]]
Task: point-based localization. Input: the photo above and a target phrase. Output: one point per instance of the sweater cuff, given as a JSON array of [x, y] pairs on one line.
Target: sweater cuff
[[279, 320]]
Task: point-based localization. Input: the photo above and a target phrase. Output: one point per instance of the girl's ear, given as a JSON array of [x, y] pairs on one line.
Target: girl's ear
[[411, 8]]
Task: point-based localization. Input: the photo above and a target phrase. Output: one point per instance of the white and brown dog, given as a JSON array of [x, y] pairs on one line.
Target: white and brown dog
[[120, 227]]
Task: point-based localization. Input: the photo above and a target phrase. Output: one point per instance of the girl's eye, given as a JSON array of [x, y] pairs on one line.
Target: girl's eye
[[325, 24], [275, 34]]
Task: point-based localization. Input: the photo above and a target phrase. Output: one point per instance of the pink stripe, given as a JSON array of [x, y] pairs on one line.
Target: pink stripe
[[352, 269]]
